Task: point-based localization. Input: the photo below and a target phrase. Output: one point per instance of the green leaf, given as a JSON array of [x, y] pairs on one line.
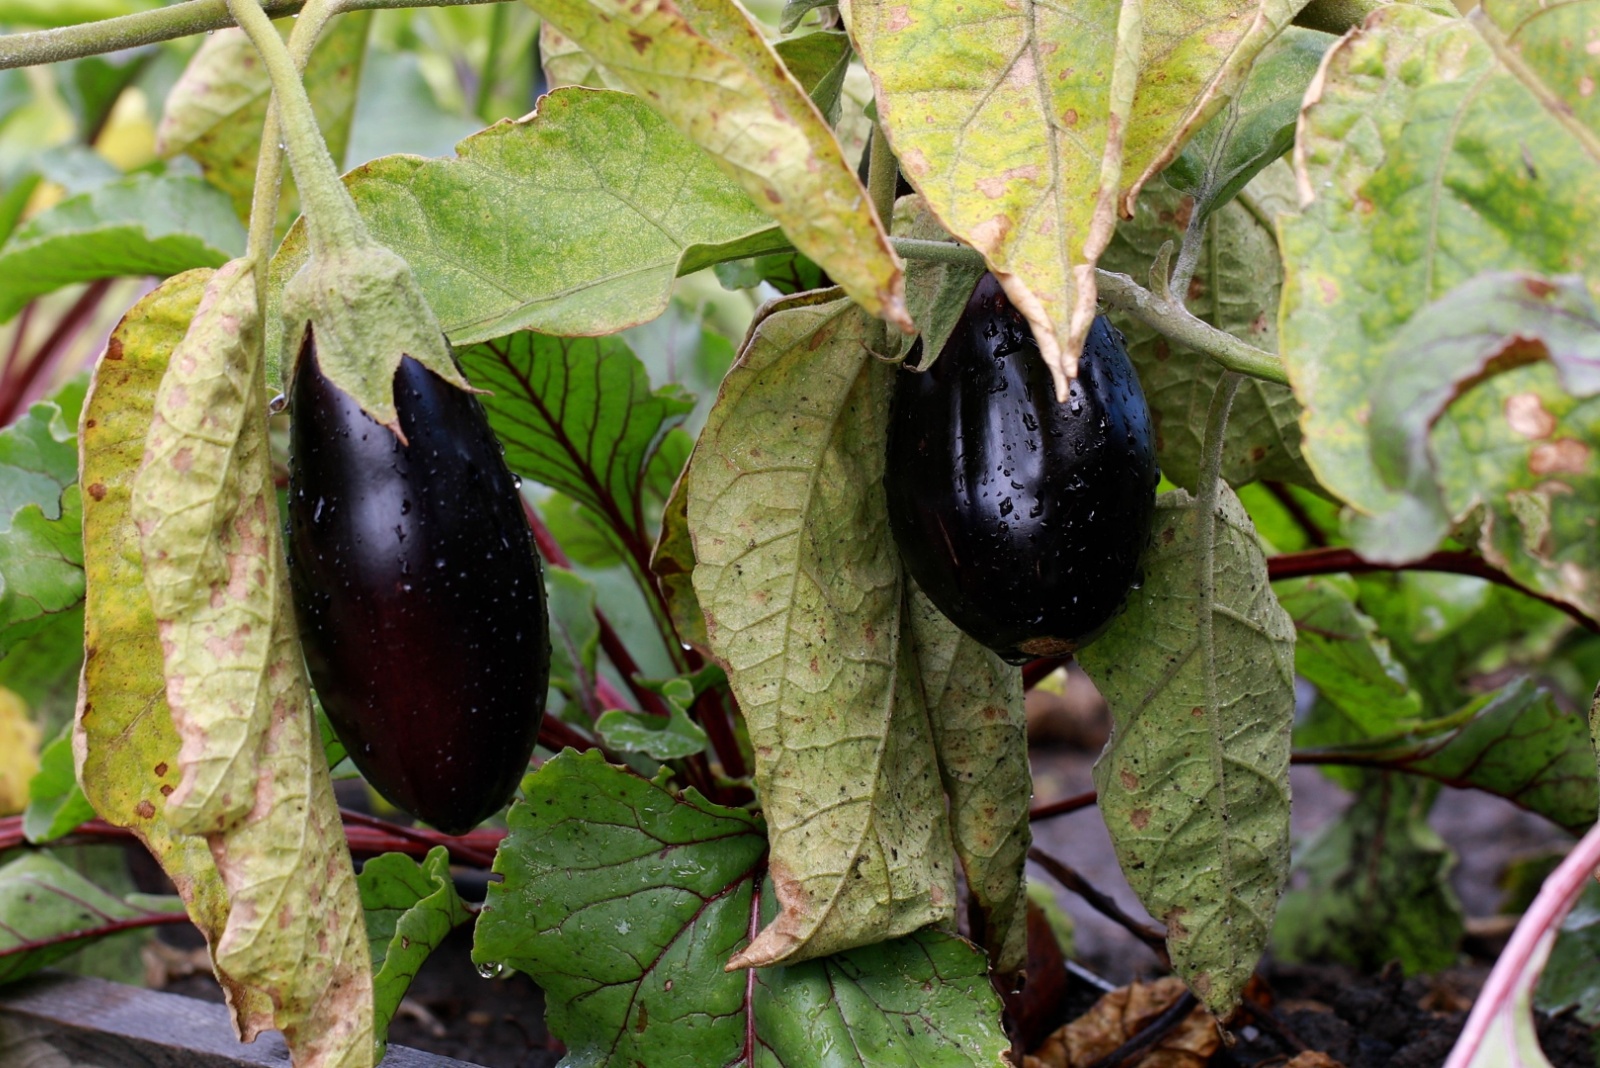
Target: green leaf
[[754, 119], [92, 85], [936, 292], [623, 900], [574, 637], [48, 911], [582, 534], [1427, 161], [795, 10], [1362, 690], [252, 777], [1255, 128], [573, 221], [41, 550], [818, 62], [215, 111], [980, 733], [55, 801], [140, 225], [787, 272], [672, 563], [1235, 288], [578, 415], [1515, 743], [68, 12], [1194, 785], [1484, 326], [671, 738], [566, 64], [1028, 129], [1377, 887], [801, 589], [410, 909], [1570, 980]]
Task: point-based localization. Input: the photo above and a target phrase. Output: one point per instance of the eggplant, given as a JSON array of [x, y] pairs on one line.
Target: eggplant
[[1022, 519], [418, 592]]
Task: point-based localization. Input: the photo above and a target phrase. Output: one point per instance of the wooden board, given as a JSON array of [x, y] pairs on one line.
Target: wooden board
[[52, 1020]]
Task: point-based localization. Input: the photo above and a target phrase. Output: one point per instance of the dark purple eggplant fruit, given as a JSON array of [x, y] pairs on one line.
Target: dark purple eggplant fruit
[[1022, 519], [419, 593]]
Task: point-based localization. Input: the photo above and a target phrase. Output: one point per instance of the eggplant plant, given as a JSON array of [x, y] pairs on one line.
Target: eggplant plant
[[654, 291]]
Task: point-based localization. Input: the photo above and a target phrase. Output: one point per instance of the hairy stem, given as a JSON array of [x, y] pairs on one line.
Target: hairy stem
[[163, 24], [1165, 315], [331, 216]]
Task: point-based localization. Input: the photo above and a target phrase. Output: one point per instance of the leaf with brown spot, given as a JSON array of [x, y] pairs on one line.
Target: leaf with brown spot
[[1026, 127], [253, 779], [1214, 848]]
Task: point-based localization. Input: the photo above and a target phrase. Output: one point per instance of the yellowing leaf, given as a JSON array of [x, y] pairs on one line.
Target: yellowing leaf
[[1026, 126], [253, 778], [800, 585], [707, 68], [19, 753], [123, 738]]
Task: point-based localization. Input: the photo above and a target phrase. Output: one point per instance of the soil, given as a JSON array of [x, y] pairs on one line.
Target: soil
[[1360, 1021]]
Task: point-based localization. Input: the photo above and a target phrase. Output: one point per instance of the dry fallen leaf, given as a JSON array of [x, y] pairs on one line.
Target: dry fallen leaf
[[1121, 1015]]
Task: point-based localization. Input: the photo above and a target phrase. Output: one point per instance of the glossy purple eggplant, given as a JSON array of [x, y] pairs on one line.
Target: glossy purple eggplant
[[419, 593], [1022, 519]]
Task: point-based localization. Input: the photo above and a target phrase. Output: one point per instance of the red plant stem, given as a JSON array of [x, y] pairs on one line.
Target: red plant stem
[[610, 640], [1511, 982], [556, 735], [1152, 937], [1297, 511], [367, 835], [17, 384], [110, 927], [718, 724], [1336, 560], [23, 322], [1063, 806]]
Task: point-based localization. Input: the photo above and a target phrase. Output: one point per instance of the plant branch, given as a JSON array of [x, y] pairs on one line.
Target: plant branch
[[1340, 560], [1152, 1032], [1062, 807], [1297, 511], [163, 24], [1151, 936], [1165, 315]]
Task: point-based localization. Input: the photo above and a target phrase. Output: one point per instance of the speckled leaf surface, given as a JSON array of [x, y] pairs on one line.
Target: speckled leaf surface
[[623, 899], [1235, 288], [1415, 184], [253, 780], [43, 904], [801, 589], [672, 563], [980, 733], [410, 908], [578, 414], [1194, 784], [1378, 887], [572, 221], [707, 68], [142, 224], [214, 113], [1026, 127], [123, 738]]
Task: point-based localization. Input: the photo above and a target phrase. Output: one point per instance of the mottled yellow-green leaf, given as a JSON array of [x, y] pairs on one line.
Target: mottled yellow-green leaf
[[1236, 286], [565, 63], [215, 111], [19, 753], [672, 562], [802, 594], [125, 745], [1026, 126], [980, 733], [1424, 161], [707, 68], [1194, 784], [254, 781]]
